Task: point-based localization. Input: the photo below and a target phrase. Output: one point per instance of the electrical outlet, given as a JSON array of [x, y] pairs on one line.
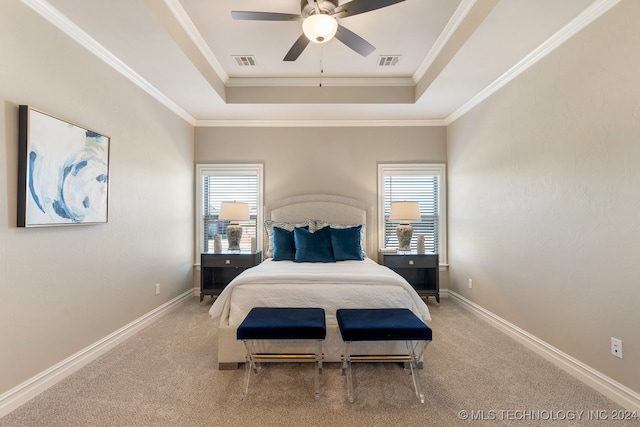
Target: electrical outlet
[[616, 347], [157, 288], [470, 283]]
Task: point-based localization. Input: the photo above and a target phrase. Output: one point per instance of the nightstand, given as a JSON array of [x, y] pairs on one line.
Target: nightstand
[[420, 270], [218, 269]]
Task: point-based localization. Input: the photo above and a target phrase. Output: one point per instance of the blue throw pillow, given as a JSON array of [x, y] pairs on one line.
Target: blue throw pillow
[[346, 243], [284, 248], [313, 247]]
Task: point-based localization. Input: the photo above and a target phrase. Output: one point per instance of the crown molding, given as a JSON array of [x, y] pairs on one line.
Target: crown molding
[[589, 15], [456, 19], [189, 27], [318, 123], [326, 81], [51, 14]]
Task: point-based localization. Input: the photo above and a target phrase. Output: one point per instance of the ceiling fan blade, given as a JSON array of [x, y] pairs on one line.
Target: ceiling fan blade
[[264, 16], [356, 7], [297, 48], [354, 41]]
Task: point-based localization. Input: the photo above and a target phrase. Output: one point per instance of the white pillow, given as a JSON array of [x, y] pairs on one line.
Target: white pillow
[[268, 226]]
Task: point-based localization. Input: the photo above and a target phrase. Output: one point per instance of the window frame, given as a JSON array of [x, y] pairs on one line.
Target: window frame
[[434, 169], [206, 169]]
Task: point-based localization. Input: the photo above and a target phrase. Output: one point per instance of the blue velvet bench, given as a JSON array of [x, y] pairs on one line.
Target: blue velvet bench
[[384, 324], [280, 323]]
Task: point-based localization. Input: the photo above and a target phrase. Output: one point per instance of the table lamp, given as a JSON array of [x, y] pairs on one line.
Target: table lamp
[[234, 212], [404, 212]]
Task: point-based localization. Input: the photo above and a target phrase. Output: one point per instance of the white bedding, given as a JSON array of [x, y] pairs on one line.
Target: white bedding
[[344, 284]]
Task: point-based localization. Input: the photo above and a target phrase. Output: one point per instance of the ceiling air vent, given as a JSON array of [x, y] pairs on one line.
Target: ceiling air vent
[[245, 60], [388, 60]]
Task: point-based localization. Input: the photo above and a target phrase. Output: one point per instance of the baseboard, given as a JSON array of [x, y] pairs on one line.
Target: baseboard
[[24, 392], [612, 389]]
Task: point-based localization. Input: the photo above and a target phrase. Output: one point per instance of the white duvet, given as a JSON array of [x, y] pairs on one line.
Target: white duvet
[[344, 284]]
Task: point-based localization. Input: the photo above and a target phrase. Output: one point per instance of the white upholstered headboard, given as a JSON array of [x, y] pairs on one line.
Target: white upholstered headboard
[[335, 209]]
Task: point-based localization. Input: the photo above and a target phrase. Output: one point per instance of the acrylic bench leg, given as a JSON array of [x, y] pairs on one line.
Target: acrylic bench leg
[[318, 368], [250, 365], [416, 351], [346, 369]]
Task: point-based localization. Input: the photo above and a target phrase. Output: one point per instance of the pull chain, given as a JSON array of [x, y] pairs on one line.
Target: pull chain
[[321, 64]]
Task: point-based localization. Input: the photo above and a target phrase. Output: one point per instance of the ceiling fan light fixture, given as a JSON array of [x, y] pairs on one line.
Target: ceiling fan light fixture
[[320, 27]]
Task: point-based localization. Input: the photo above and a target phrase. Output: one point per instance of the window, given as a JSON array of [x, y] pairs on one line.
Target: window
[[422, 183], [219, 183]]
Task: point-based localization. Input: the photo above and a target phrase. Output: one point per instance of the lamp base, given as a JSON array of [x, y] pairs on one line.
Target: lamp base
[[404, 232], [234, 233]]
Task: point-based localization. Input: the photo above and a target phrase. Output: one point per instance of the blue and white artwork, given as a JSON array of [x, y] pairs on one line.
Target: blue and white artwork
[[67, 173]]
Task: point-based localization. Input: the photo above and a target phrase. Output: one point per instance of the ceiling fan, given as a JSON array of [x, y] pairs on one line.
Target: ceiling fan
[[320, 23]]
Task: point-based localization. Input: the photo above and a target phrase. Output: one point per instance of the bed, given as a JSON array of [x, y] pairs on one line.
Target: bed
[[288, 281]]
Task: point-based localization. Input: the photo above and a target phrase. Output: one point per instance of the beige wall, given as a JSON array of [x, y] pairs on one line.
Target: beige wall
[[341, 161], [544, 206], [64, 288]]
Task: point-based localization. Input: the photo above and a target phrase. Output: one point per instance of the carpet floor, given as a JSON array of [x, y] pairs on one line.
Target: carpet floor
[[166, 376]]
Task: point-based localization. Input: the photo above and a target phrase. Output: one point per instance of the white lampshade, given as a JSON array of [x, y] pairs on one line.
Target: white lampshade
[[320, 27], [405, 212], [234, 211]]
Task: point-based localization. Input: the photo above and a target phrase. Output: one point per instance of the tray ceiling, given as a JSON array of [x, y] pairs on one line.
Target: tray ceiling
[[440, 57]]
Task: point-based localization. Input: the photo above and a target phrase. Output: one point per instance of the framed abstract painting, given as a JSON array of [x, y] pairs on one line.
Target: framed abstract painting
[[63, 172]]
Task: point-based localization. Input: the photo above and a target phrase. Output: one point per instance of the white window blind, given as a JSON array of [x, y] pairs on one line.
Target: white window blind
[[422, 183], [228, 183]]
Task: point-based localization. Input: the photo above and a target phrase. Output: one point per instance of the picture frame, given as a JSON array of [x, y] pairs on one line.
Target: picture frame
[[63, 172]]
